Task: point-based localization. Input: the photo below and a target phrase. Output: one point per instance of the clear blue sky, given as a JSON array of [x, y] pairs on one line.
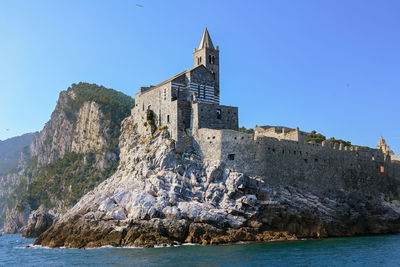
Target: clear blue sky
[[332, 66]]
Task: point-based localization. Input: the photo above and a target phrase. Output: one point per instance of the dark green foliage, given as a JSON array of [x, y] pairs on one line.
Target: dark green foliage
[[150, 115], [316, 137], [67, 179], [70, 177], [245, 130], [340, 141], [114, 105], [319, 138]]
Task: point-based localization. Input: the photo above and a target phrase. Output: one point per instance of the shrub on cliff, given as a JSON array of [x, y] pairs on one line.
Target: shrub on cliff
[[245, 130], [340, 141], [65, 180], [61, 183]]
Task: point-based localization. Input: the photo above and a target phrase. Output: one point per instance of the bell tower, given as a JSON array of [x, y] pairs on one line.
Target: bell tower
[[208, 56]]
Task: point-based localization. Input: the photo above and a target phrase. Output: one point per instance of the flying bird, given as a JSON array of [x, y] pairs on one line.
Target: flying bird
[[138, 5]]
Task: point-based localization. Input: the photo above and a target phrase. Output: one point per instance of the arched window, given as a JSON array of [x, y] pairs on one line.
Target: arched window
[[209, 59], [213, 60]]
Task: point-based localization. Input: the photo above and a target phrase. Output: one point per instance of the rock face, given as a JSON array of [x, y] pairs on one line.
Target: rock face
[[75, 151], [158, 196], [39, 221]]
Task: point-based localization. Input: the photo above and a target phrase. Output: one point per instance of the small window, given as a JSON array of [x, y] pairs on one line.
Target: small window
[[198, 91], [219, 116], [167, 118], [143, 107], [204, 91], [209, 59], [231, 156], [382, 168]]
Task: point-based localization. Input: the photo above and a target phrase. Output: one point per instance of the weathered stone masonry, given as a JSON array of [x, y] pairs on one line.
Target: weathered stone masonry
[[188, 104]]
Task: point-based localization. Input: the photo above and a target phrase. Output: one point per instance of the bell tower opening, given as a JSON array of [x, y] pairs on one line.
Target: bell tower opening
[[206, 54]]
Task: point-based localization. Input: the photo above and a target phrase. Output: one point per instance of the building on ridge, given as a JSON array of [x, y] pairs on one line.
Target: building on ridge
[[189, 100], [188, 104]]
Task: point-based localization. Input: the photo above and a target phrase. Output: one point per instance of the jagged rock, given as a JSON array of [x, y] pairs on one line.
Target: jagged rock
[[83, 131], [39, 221], [158, 196]]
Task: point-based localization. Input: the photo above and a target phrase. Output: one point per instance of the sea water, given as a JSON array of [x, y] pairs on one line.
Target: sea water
[[351, 251]]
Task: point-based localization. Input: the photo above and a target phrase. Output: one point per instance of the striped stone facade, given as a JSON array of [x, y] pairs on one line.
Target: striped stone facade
[[188, 101]]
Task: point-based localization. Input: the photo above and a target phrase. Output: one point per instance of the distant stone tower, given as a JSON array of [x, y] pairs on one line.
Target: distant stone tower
[[384, 147], [208, 56]]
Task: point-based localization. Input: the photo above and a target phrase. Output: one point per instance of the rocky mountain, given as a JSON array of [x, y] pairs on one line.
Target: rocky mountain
[[10, 151], [159, 196], [76, 150]]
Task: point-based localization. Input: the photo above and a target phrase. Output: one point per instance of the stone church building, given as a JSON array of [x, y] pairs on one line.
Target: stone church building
[[189, 100]]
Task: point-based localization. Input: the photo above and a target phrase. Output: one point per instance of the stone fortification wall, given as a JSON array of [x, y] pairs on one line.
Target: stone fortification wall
[[281, 133], [214, 116], [319, 166], [396, 158]]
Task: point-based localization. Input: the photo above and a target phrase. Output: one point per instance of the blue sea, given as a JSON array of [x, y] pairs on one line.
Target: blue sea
[[351, 251]]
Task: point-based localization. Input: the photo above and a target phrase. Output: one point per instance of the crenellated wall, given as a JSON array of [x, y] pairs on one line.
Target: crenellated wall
[[280, 132], [319, 166]]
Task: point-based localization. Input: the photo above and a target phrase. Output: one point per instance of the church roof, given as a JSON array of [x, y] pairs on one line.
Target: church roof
[[206, 41], [180, 74]]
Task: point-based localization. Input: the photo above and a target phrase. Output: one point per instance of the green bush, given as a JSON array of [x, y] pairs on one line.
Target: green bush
[[67, 179], [340, 141], [316, 137], [245, 130]]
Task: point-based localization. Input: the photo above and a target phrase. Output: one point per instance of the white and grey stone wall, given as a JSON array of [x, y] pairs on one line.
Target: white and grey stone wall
[[289, 162], [280, 133], [214, 116]]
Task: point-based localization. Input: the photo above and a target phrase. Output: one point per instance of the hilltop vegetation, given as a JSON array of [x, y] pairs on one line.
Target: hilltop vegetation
[[57, 175], [245, 130], [319, 138], [66, 180]]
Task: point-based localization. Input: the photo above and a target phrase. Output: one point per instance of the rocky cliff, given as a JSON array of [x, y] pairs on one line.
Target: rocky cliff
[[75, 151], [159, 196]]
